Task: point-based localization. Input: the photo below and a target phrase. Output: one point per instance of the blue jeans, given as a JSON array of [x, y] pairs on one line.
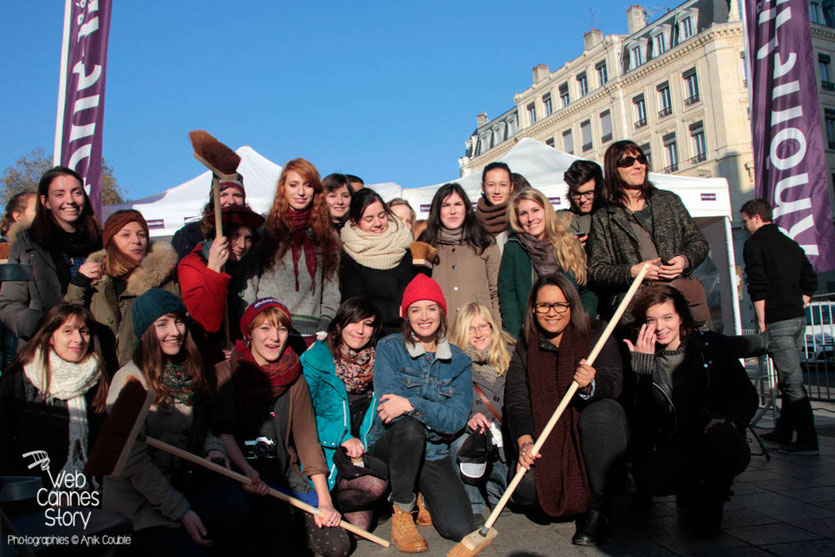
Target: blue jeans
[[785, 343], [496, 479]]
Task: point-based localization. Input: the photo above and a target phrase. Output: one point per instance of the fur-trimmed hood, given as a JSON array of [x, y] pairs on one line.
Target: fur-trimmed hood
[[16, 229], [159, 265]]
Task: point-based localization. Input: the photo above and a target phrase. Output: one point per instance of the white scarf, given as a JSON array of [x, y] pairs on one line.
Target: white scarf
[[69, 382], [377, 251]]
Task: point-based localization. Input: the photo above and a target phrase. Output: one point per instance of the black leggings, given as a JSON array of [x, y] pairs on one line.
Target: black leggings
[[402, 447], [604, 435]]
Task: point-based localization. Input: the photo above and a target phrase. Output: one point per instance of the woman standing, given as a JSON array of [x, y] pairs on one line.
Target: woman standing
[[52, 396], [338, 197], [109, 282], [376, 261], [61, 237], [693, 406], [340, 372], [171, 508], [424, 390], [469, 259], [640, 224], [264, 401], [573, 474], [540, 245], [300, 255], [486, 344]]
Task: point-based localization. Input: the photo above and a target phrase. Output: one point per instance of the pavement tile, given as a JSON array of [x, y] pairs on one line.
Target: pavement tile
[[767, 534], [811, 495], [803, 549], [779, 506], [826, 505], [822, 526], [745, 517], [684, 544]]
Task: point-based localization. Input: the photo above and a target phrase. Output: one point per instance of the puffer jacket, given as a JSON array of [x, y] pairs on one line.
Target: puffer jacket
[[439, 387], [113, 310], [330, 403]]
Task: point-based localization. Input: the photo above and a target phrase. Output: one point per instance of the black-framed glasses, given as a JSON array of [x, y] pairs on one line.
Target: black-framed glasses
[[629, 160], [542, 308], [582, 194]]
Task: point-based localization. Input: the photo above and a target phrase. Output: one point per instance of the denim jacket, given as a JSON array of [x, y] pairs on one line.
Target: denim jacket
[[439, 386]]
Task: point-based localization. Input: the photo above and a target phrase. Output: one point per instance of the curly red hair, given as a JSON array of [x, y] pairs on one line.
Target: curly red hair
[[279, 228]]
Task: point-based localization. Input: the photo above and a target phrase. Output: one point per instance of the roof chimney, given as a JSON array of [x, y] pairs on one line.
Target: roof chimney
[[636, 18], [593, 38], [482, 119], [540, 72]]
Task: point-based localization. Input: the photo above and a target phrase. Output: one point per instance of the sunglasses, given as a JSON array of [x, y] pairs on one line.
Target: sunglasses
[[628, 161]]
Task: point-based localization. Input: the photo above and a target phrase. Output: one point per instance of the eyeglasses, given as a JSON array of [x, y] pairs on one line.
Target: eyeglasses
[[483, 328], [629, 160], [544, 307], [582, 194]]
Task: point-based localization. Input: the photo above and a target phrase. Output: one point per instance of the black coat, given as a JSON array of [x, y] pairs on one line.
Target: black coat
[[383, 288]]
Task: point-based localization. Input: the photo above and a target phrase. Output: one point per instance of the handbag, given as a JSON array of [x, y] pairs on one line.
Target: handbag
[[694, 291]]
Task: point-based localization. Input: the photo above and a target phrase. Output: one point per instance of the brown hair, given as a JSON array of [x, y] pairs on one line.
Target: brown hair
[[52, 320], [279, 230], [18, 204], [150, 360], [352, 310], [659, 294], [580, 318], [275, 315], [614, 186], [757, 207], [44, 227]]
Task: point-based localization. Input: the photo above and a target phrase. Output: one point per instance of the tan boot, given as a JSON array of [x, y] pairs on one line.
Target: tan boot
[[423, 516], [404, 533]]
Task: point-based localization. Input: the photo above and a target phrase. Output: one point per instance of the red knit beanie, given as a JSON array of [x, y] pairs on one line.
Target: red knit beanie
[[422, 288], [236, 183]]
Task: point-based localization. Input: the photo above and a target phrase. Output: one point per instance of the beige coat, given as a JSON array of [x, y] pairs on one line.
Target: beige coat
[[466, 276], [155, 271]]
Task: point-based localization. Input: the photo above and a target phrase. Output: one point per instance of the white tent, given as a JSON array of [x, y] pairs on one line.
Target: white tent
[[166, 212]]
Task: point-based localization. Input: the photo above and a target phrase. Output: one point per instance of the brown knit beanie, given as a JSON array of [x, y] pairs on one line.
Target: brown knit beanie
[[116, 263]]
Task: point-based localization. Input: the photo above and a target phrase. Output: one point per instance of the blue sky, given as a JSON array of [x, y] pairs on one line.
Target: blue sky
[[385, 90]]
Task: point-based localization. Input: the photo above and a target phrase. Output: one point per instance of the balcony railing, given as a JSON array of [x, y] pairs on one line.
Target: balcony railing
[[666, 111], [587, 146], [701, 157], [671, 168], [606, 138], [640, 123], [827, 86], [692, 99]]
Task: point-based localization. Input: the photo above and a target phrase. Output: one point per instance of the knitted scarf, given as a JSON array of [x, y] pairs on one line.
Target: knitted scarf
[[178, 383], [561, 481], [451, 237], [480, 365], [492, 217], [356, 368], [69, 382], [542, 253], [265, 383], [300, 241], [377, 251]]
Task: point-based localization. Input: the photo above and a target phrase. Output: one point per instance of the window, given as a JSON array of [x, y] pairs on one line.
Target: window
[[549, 142], [546, 102], [583, 84], [830, 127], [585, 131], [671, 149], [691, 86], [686, 28], [660, 44], [823, 67], [637, 57], [816, 13], [606, 126], [602, 73], [532, 113], [640, 107], [568, 142], [664, 100], [697, 135], [564, 97], [646, 149]]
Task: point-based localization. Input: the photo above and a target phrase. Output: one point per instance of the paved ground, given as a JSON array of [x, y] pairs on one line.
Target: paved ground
[[782, 506]]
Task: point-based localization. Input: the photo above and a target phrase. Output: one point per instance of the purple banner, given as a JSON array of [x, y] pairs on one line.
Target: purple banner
[[83, 118], [789, 157]]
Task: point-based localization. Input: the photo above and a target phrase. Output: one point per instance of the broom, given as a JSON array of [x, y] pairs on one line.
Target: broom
[[121, 430], [478, 540]]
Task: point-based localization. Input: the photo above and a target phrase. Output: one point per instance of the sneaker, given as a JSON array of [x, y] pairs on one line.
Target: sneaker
[[799, 449], [404, 534]]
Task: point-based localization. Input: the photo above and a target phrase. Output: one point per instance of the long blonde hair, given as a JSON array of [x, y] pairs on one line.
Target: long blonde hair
[[570, 253], [498, 356]]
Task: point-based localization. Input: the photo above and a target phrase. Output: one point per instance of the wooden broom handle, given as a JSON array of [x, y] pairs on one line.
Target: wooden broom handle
[[218, 210], [569, 394], [231, 474]]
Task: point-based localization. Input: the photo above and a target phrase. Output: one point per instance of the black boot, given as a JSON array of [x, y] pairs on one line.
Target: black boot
[[593, 527], [782, 433], [804, 424]]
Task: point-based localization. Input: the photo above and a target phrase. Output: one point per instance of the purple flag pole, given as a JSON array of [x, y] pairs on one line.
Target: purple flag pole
[[80, 120], [786, 131]]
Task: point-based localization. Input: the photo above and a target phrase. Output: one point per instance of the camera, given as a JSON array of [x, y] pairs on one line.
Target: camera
[[260, 447]]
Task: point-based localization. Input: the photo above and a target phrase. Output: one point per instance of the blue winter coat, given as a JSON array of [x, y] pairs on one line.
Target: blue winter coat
[[330, 403], [438, 385]]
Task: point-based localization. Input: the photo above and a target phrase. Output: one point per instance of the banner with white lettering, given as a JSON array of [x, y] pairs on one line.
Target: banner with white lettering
[[789, 157], [81, 124]]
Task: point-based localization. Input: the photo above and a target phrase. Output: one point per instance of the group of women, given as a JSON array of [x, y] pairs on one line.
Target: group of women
[[330, 352]]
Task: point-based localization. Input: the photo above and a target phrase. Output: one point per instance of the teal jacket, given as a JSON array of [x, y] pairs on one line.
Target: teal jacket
[[515, 283], [330, 403]]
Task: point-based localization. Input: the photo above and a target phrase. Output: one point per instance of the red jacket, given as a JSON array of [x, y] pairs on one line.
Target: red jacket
[[204, 290]]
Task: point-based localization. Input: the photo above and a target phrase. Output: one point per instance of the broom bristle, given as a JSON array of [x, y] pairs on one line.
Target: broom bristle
[[221, 159], [472, 543], [119, 431]]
